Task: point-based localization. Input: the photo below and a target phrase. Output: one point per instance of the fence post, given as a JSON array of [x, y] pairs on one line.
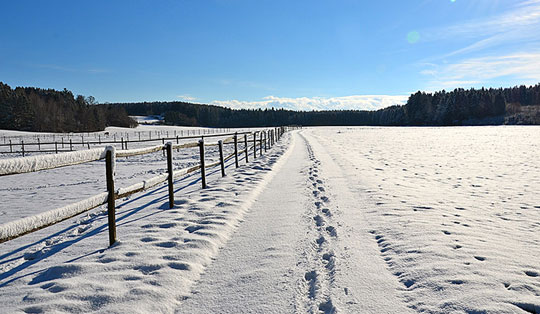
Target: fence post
[[168, 147], [38, 144], [56, 147], [10, 147], [246, 147], [99, 139], [222, 162], [22, 147], [70, 145], [82, 140], [236, 148], [254, 145], [122, 142], [260, 143], [265, 140], [62, 142], [203, 170], [109, 160], [163, 143]]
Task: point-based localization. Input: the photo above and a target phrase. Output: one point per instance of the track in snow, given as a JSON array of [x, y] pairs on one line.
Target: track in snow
[[295, 251], [321, 260]]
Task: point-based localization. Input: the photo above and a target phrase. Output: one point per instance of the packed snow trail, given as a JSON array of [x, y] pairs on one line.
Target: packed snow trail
[[304, 247]]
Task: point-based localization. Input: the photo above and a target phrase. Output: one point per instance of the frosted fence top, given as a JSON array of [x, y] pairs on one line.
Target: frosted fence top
[[43, 162]]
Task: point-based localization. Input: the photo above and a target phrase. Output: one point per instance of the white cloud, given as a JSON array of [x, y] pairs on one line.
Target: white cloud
[[501, 49], [518, 24], [186, 97], [355, 102], [473, 71]]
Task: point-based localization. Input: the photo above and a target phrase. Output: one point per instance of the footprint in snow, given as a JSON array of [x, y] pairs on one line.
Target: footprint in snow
[[147, 269], [332, 231], [192, 229], [168, 225], [327, 307], [166, 244], [149, 239], [531, 273], [53, 287], [318, 220], [179, 266], [457, 282]]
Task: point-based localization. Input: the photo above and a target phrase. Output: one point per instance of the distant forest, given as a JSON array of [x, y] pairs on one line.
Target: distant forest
[[49, 110], [516, 105]]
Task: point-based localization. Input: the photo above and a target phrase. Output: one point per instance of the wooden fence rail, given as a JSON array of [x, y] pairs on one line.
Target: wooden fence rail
[[12, 166]]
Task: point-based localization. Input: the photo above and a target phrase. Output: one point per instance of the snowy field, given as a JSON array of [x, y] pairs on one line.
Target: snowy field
[[346, 220]]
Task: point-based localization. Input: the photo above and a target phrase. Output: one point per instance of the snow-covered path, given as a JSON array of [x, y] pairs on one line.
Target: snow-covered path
[[304, 247], [256, 271]]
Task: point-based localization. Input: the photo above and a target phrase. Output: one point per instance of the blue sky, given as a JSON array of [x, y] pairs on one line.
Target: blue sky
[[246, 53]]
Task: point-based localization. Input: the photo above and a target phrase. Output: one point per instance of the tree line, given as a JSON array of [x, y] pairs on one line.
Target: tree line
[[515, 105], [49, 110]]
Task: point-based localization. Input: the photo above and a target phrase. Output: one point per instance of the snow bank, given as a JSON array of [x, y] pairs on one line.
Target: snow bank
[[43, 162], [25, 225]]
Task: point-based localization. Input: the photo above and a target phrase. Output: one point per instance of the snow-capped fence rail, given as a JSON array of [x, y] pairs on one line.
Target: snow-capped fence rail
[[13, 166]]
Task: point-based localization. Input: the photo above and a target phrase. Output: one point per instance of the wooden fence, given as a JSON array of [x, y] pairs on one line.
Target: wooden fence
[[261, 140], [69, 143]]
